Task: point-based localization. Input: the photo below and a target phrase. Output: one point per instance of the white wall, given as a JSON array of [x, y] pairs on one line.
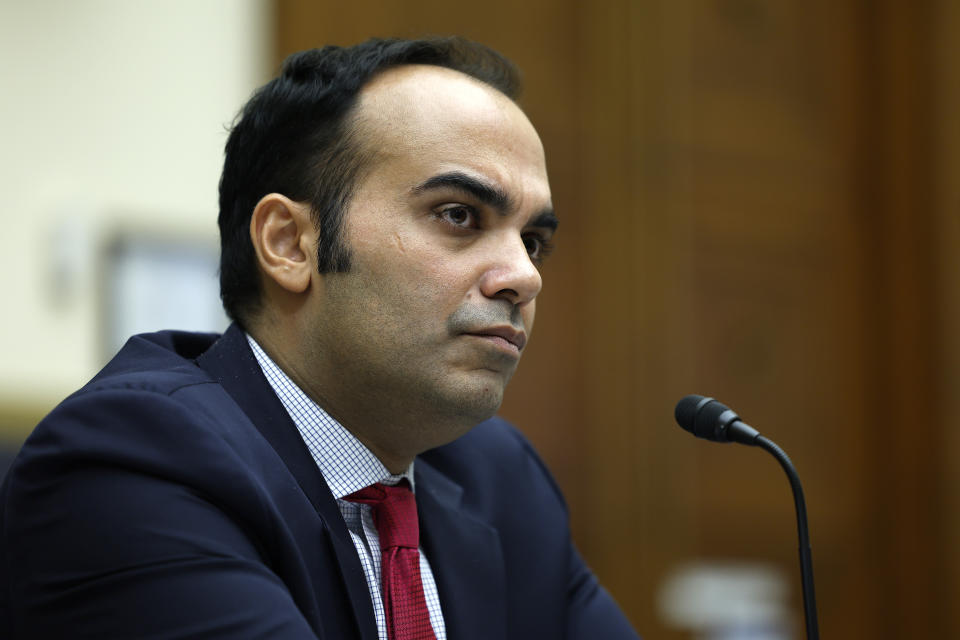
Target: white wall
[[112, 115]]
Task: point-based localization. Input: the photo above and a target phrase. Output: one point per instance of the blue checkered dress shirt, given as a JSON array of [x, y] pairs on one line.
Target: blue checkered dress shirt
[[348, 466]]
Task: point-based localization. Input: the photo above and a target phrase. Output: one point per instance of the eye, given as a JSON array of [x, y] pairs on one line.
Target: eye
[[538, 246], [459, 215]]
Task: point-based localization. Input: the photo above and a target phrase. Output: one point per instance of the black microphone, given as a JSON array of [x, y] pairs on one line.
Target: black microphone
[[709, 419]]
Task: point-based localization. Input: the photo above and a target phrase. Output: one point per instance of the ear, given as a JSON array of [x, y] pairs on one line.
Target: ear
[[283, 237]]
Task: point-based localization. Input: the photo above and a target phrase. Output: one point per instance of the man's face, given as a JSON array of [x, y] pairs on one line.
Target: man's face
[[446, 232]]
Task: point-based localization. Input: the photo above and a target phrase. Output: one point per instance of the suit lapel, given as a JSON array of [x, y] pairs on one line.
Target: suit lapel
[[465, 557], [231, 362]]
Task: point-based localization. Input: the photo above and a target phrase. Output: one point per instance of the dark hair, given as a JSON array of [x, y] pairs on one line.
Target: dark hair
[[295, 137]]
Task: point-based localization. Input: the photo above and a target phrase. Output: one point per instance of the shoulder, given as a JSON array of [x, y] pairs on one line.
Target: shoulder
[[495, 459], [160, 362], [151, 383], [151, 406], [154, 377], [494, 441], [152, 428]]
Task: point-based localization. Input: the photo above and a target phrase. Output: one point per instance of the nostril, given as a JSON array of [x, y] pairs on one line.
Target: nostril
[[509, 292]]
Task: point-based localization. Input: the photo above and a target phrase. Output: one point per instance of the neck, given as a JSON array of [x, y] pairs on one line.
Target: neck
[[365, 417]]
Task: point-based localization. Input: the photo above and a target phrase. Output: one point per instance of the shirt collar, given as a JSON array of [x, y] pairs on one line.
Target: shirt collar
[[346, 464]]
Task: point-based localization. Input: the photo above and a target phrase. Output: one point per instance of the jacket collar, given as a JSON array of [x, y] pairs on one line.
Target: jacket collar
[[465, 556], [464, 551], [231, 362]]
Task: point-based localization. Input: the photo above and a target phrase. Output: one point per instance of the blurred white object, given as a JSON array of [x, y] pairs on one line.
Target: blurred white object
[[728, 601], [71, 248], [160, 283]]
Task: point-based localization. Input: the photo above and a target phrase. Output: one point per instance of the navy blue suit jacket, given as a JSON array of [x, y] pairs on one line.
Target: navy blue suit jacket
[[173, 497]]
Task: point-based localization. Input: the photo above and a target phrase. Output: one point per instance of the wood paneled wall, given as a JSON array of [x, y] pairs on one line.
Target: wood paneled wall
[[759, 203], [946, 247]]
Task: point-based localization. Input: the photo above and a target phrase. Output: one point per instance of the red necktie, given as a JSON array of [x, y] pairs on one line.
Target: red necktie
[[395, 516]]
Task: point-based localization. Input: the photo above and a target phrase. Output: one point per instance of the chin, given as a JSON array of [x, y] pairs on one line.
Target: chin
[[472, 402], [481, 408], [451, 410]]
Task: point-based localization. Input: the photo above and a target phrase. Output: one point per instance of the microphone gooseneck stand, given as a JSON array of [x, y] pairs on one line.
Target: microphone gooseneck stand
[[706, 418], [806, 559]]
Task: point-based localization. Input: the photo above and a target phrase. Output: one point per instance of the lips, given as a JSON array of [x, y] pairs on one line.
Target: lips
[[517, 338]]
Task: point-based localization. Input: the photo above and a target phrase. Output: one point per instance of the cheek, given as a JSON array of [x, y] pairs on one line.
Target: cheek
[[411, 271], [410, 263], [405, 291]]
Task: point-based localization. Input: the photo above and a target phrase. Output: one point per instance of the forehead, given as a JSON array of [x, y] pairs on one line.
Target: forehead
[[421, 119]]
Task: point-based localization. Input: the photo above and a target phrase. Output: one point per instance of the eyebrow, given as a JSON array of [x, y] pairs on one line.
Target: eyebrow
[[482, 191], [546, 219], [486, 193]]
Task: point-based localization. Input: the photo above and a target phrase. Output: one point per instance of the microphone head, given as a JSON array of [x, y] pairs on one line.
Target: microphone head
[[705, 418]]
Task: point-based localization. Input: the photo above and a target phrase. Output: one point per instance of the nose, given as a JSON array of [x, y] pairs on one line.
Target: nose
[[510, 274]]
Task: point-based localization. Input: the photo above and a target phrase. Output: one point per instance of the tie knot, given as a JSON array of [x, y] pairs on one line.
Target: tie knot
[[394, 513]]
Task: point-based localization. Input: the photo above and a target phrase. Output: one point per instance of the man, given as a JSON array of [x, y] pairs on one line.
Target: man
[[384, 211]]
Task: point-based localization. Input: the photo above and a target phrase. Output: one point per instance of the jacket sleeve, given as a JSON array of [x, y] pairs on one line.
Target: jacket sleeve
[[591, 611], [122, 518]]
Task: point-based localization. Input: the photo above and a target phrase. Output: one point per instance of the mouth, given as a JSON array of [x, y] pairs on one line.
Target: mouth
[[505, 337]]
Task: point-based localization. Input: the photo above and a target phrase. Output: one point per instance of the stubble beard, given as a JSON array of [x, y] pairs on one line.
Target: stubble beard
[[432, 399]]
